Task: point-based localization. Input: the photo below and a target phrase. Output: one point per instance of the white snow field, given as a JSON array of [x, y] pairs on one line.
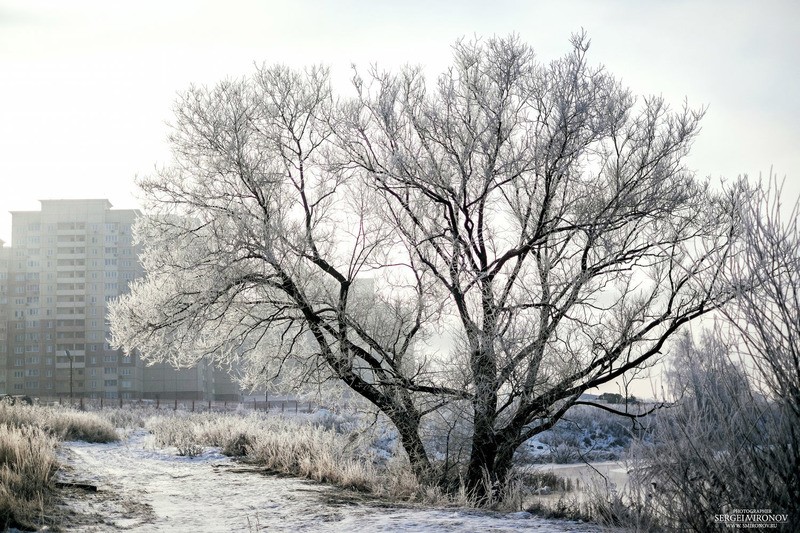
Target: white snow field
[[143, 488]]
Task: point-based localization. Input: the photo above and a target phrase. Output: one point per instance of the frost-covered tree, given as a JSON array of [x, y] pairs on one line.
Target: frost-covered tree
[[732, 436], [557, 215], [537, 212], [765, 275], [254, 243]]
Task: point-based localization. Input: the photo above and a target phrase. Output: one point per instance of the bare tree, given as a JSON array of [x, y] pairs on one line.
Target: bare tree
[[253, 249], [723, 445], [557, 215], [765, 275], [538, 211], [732, 439]]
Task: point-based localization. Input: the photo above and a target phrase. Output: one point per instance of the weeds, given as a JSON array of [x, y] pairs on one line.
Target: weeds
[[28, 439], [27, 465]]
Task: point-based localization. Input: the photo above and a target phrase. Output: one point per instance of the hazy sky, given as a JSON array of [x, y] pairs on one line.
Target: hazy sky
[[86, 87]]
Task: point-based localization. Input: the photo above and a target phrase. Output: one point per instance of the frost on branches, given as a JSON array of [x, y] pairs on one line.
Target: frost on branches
[[538, 215]]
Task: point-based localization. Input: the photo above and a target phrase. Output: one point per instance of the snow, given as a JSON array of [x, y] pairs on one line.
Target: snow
[[144, 488]]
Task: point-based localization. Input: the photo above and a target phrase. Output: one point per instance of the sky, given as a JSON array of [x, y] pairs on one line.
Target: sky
[[87, 87]]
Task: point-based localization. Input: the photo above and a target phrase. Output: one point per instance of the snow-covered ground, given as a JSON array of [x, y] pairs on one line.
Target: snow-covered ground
[[142, 488]]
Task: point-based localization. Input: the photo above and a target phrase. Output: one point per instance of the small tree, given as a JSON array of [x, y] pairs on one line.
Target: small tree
[[536, 211]]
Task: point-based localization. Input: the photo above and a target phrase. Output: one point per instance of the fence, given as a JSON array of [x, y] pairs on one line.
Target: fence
[[282, 405]]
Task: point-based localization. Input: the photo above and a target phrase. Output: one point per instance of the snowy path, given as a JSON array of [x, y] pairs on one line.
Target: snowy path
[[147, 489]]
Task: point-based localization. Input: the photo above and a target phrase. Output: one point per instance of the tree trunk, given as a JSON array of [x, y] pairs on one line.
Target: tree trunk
[[481, 479], [408, 428], [489, 467]]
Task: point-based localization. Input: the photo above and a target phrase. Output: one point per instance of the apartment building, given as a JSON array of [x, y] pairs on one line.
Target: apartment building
[[68, 261], [4, 255]]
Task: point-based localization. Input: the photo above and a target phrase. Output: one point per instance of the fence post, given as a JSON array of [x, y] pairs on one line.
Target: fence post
[[295, 406], [193, 406], [176, 402]]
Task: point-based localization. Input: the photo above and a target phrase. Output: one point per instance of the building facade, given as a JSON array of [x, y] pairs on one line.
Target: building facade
[[4, 257], [67, 263]]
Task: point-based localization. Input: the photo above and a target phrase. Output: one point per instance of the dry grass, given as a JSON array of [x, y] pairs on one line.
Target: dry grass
[[28, 439], [315, 450], [288, 446], [61, 422], [27, 465]]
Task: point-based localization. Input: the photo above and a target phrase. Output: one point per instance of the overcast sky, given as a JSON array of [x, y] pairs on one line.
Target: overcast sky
[[86, 87]]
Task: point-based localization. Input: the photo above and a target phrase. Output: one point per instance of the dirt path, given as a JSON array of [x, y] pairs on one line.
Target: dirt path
[[141, 488]]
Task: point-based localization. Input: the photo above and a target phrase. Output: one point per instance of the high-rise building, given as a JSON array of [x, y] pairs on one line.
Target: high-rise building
[[67, 263], [4, 255]]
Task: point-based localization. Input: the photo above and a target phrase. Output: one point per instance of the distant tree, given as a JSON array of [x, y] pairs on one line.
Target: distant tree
[[537, 211], [706, 374]]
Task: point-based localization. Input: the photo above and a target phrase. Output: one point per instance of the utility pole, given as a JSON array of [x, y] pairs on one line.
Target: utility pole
[[69, 356]]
